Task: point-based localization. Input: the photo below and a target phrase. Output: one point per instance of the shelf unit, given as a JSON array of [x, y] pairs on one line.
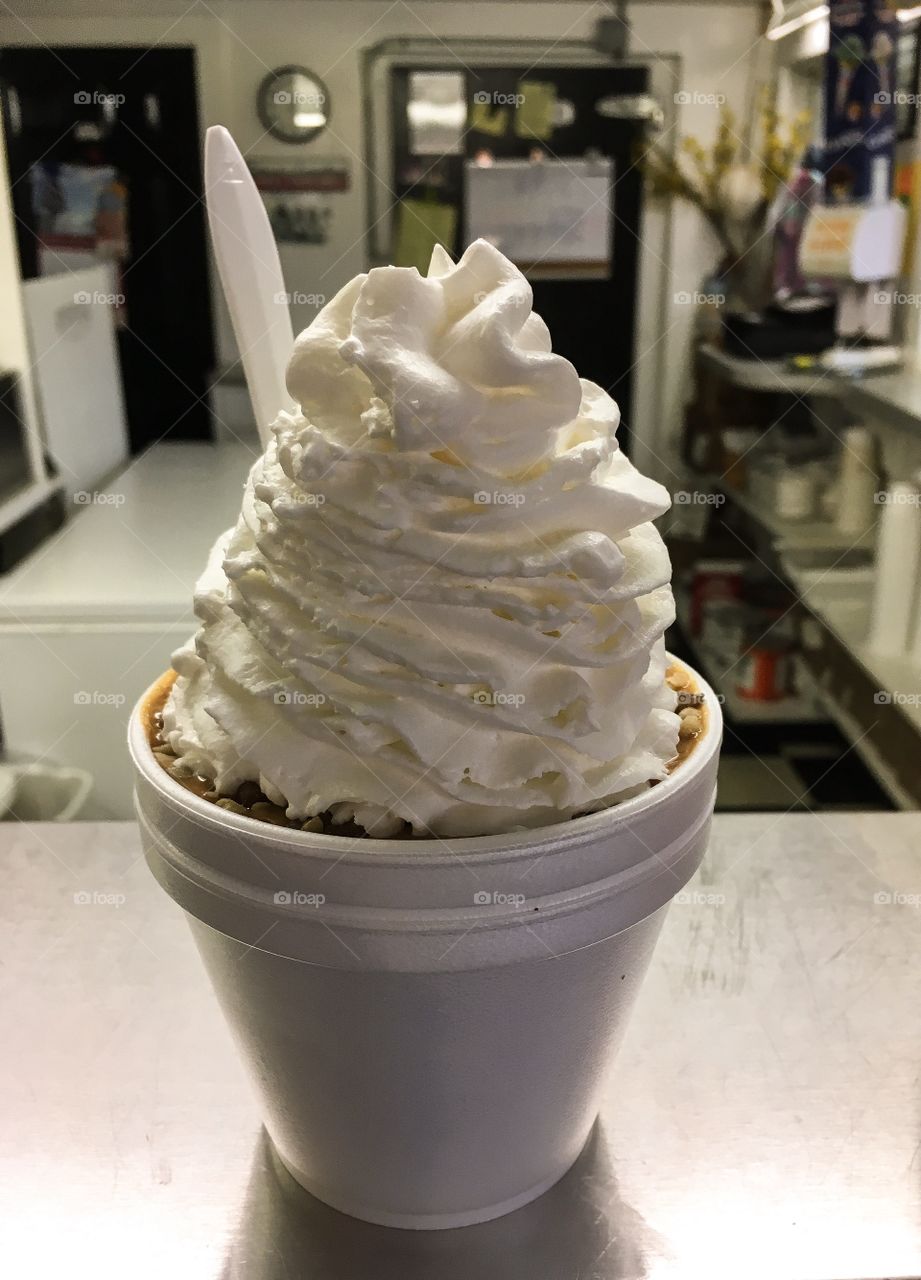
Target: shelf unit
[[842, 679], [847, 616], [769, 375], [797, 535], [791, 710]]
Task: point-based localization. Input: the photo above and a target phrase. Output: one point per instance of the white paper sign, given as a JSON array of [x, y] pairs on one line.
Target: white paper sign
[[553, 214], [854, 242], [436, 113], [71, 324]]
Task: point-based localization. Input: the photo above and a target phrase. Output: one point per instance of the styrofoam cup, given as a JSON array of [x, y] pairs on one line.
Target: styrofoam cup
[[428, 1022]]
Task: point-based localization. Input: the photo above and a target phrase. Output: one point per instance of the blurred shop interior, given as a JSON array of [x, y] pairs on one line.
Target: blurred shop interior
[[717, 206]]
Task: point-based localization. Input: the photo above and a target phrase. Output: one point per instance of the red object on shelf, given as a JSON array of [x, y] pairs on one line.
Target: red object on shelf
[[765, 674], [713, 580]]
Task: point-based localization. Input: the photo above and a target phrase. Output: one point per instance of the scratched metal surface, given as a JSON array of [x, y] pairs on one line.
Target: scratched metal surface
[[762, 1119]]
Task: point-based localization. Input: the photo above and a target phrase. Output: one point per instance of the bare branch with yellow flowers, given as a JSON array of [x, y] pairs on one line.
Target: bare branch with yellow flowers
[[733, 185]]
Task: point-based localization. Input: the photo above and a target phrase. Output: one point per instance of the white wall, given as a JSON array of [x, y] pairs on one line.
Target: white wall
[[719, 48], [238, 42]]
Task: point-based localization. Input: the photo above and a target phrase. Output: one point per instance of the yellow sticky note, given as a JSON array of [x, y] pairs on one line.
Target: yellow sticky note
[[535, 109], [421, 224], [485, 118]]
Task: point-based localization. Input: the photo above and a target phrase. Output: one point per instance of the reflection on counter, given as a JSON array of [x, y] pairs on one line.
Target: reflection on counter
[[284, 1232]]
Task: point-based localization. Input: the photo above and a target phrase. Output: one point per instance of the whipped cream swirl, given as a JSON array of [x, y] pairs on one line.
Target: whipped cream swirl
[[443, 603]]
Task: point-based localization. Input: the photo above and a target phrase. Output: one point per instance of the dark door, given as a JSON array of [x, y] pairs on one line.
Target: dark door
[[591, 315], [127, 120]]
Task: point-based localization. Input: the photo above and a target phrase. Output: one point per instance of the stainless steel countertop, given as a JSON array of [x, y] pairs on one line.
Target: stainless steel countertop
[[893, 397], [762, 1119]]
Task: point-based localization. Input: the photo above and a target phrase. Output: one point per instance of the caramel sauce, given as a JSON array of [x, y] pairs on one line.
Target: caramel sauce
[[678, 675], [152, 710]]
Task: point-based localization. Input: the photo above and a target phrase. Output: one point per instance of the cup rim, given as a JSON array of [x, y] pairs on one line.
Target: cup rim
[[432, 850]]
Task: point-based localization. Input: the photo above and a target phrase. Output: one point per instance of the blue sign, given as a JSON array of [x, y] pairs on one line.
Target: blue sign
[[860, 100]]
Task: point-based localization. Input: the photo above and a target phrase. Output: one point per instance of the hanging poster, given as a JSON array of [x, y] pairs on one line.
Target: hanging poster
[[436, 113], [297, 198], [553, 217], [860, 100]]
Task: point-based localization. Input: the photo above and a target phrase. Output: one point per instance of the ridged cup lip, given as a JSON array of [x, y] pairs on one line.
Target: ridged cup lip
[[436, 850]]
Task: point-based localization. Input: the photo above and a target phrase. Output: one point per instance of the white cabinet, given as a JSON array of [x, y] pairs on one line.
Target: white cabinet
[[92, 617]]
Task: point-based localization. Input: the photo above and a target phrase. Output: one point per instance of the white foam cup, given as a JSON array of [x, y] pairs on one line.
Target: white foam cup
[[428, 1022]]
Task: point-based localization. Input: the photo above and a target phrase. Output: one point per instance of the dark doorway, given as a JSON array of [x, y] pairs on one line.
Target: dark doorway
[[121, 125], [591, 316]]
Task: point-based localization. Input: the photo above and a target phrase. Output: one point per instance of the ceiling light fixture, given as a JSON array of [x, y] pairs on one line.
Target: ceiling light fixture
[[801, 20]]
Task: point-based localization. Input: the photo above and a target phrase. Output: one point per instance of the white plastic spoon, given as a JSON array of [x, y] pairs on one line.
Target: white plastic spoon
[[250, 272]]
